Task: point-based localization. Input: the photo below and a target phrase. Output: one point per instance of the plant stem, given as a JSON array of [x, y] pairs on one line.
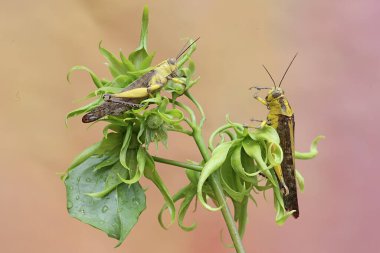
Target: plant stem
[[177, 163], [218, 191], [200, 109]]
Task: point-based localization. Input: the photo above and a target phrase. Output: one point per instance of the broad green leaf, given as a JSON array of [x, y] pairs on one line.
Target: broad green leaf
[[110, 144], [217, 159], [112, 180], [116, 213], [84, 155], [98, 83], [113, 158]]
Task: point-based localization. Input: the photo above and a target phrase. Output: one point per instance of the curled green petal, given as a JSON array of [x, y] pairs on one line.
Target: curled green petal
[[151, 174], [114, 64], [140, 167], [300, 180], [275, 154], [98, 83], [266, 133], [124, 147], [236, 163], [218, 157], [173, 116], [183, 210], [253, 149], [179, 195], [313, 150]]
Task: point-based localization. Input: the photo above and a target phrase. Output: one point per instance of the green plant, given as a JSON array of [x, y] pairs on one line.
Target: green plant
[[102, 183]]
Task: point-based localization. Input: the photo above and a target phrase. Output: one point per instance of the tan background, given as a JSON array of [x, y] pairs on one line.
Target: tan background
[[333, 87]]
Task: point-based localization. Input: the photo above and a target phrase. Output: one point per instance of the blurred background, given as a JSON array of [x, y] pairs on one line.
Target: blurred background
[[333, 88]]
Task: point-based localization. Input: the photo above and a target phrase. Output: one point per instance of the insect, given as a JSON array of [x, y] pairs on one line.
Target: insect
[[281, 118], [131, 96]]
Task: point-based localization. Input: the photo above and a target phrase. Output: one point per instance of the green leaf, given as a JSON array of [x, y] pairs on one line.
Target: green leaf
[[127, 63], [124, 147], [112, 180], [116, 214], [84, 155], [110, 144], [114, 64], [140, 54], [217, 159], [114, 157], [139, 171], [151, 174], [84, 109], [98, 83]]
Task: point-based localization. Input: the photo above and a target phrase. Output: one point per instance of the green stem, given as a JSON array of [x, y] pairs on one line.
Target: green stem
[[184, 131], [189, 111], [177, 163], [219, 194], [199, 107]]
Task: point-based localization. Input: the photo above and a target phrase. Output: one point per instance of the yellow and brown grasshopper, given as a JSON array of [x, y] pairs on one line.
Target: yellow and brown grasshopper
[[131, 96], [281, 118]]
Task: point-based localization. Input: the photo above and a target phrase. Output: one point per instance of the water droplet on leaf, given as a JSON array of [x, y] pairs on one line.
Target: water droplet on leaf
[[105, 209], [69, 204]]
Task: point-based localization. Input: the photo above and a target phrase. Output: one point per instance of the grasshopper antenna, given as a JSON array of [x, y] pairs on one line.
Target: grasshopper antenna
[[270, 76], [286, 71], [184, 49]]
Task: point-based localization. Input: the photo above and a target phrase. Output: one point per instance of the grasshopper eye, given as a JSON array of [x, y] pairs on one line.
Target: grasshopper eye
[[171, 61], [276, 94]]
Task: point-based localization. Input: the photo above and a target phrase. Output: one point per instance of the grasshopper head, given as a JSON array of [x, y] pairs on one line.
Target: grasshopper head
[[274, 94], [172, 62]]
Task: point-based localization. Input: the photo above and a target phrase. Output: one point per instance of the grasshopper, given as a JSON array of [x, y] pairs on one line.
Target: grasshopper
[[281, 118], [131, 96]]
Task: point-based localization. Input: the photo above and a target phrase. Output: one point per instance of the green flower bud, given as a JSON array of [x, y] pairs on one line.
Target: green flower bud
[[154, 121]]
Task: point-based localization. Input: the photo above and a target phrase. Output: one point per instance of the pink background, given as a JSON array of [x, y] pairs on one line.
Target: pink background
[[333, 87]]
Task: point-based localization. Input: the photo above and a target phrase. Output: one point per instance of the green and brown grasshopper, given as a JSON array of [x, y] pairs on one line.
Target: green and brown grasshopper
[[281, 118], [131, 96]]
